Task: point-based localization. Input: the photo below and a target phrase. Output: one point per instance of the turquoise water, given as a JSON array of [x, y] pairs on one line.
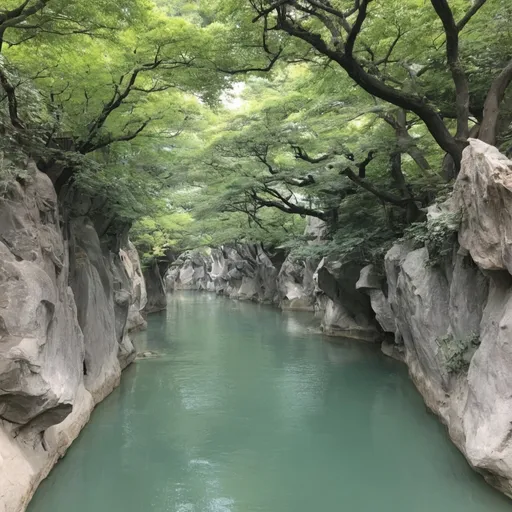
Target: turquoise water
[[248, 411]]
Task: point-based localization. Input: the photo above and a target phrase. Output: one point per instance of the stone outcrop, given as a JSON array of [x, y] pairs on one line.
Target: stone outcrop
[[295, 284], [454, 317], [483, 193], [65, 300], [139, 297], [374, 285], [156, 298], [347, 310], [190, 271], [241, 271]]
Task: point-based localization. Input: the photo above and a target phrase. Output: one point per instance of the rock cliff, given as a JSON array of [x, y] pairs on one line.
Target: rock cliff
[[68, 301], [453, 317]]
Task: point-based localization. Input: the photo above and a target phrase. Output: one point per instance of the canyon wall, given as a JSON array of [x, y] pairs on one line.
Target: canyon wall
[[68, 302], [453, 319]]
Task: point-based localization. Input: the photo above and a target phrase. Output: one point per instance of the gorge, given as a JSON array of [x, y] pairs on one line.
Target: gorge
[[307, 204]]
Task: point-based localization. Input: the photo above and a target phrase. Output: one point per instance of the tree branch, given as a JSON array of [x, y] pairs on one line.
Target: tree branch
[[458, 75], [288, 207], [373, 84], [266, 69], [356, 28], [474, 9], [12, 101], [301, 154], [384, 196], [110, 140]]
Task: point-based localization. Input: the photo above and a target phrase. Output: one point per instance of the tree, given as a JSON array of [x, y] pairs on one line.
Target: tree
[[143, 82], [304, 143], [24, 20], [342, 33]]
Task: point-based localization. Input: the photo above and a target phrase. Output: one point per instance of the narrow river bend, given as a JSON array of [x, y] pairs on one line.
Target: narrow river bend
[[249, 411]]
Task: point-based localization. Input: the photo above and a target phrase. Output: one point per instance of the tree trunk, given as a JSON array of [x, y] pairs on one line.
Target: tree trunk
[[407, 144], [12, 101], [488, 128]]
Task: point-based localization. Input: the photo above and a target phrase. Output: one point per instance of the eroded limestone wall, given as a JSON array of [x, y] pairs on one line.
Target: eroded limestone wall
[[453, 319], [67, 304]]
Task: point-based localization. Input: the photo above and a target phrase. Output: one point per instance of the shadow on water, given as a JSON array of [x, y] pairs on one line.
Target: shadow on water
[[249, 410]]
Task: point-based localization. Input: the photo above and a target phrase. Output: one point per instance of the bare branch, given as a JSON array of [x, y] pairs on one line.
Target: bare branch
[[458, 75], [356, 28], [474, 9]]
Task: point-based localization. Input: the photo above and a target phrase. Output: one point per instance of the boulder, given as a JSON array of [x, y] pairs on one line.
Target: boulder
[[190, 271], [373, 285], [295, 285], [138, 297], [482, 192]]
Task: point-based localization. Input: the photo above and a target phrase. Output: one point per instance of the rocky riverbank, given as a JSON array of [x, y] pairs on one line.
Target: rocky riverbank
[[71, 291], [447, 316]]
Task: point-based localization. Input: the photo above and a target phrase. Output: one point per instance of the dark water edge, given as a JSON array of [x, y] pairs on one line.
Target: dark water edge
[[249, 410]]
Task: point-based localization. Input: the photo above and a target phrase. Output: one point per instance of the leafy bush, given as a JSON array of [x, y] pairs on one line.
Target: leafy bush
[[457, 352]]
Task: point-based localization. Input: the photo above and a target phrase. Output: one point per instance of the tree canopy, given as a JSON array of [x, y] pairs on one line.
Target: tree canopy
[[207, 122]]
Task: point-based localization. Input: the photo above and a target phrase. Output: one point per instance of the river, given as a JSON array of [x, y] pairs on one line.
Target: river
[[249, 410]]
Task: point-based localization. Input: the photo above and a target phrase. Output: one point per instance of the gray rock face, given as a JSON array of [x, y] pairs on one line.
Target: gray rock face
[[64, 305], [131, 262], [92, 283], [37, 309], [242, 271], [482, 192], [296, 286], [189, 272], [348, 311], [469, 297], [372, 284], [155, 289]]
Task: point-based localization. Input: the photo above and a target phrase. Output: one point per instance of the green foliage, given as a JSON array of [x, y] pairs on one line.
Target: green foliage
[[155, 237], [148, 102], [10, 173], [437, 234], [364, 234], [457, 352]]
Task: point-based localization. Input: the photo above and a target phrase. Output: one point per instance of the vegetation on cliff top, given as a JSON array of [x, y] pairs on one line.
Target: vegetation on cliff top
[[205, 122]]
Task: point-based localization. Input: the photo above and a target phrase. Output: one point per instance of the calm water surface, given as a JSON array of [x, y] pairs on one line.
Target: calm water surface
[[248, 411]]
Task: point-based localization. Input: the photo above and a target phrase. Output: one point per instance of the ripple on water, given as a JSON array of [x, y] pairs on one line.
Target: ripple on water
[[247, 410]]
